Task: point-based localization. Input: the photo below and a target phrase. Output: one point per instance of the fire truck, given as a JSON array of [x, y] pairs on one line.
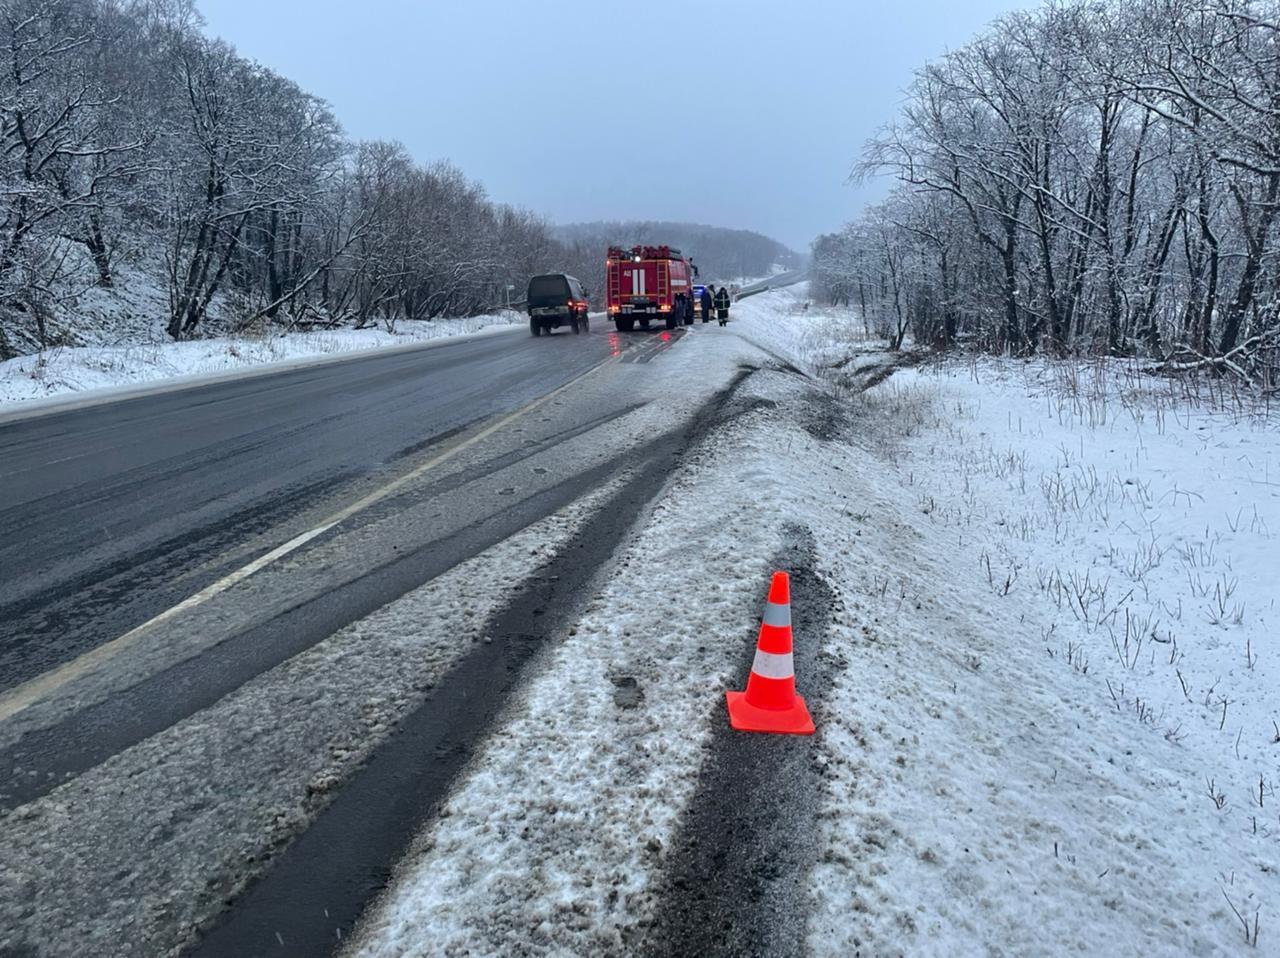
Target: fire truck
[[646, 283]]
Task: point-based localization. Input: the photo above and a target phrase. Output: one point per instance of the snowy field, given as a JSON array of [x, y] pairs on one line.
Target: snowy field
[[1051, 669], [74, 370], [1073, 608]]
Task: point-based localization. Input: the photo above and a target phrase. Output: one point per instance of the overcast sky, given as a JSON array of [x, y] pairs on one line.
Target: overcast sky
[[736, 113]]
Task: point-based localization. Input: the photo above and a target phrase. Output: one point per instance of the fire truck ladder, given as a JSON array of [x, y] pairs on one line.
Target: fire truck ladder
[[615, 284], [664, 269]]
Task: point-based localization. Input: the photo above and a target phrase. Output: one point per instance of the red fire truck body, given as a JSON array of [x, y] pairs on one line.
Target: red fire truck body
[[647, 283]]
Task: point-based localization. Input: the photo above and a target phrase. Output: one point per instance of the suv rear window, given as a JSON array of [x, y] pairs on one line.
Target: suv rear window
[[548, 287]]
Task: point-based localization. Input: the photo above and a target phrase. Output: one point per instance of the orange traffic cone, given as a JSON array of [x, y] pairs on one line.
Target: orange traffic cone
[[770, 703]]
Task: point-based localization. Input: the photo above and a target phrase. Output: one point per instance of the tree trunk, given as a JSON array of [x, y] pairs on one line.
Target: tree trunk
[[1248, 287], [1012, 326], [98, 249], [274, 288]]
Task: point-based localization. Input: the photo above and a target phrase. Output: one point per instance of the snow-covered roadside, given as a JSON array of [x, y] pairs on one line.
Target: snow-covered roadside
[[999, 775], [65, 371], [553, 841], [1055, 733], [820, 340]]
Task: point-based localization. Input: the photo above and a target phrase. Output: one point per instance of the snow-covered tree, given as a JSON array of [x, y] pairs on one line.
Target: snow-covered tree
[[1095, 176]]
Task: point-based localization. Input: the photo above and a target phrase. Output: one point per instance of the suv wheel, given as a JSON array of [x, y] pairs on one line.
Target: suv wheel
[[535, 327]]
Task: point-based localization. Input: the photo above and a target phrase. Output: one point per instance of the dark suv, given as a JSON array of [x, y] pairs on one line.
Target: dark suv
[[556, 300]]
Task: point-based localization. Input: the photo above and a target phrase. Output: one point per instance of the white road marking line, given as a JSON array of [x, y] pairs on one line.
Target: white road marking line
[[28, 693]]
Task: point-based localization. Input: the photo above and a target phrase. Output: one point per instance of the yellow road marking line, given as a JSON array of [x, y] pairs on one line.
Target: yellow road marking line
[[28, 693]]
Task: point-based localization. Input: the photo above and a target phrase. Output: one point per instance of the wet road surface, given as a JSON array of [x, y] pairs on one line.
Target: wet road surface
[[112, 514], [117, 512]]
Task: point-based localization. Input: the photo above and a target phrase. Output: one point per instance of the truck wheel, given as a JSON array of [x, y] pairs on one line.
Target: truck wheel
[[625, 325], [535, 327], [671, 321], [576, 329]]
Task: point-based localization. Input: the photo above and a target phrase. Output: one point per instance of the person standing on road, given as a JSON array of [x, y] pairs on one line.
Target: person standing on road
[[706, 303], [722, 305]]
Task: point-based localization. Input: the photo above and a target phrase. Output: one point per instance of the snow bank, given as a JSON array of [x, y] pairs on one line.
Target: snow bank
[[818, 339], [62, 371]]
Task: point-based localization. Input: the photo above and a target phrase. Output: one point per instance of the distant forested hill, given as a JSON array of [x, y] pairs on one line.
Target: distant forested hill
[[721, 254]]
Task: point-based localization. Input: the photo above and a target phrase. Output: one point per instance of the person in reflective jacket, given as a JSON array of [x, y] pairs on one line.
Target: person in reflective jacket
[[706, 303], [722, 304]]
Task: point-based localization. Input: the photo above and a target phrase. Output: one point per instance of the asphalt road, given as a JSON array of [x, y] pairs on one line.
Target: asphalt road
[[114, 513], [789, 278], [183, 793], [120, 513]]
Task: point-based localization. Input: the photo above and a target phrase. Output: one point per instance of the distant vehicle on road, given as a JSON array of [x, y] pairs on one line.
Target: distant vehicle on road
[[647, 283], [555, 300], [696, 298]]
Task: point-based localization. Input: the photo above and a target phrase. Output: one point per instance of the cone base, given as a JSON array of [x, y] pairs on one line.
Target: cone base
[[746, 717]]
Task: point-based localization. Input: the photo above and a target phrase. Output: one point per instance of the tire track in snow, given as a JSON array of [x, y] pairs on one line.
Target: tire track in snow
[[311, 898], [45, 758], [735, 880]]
